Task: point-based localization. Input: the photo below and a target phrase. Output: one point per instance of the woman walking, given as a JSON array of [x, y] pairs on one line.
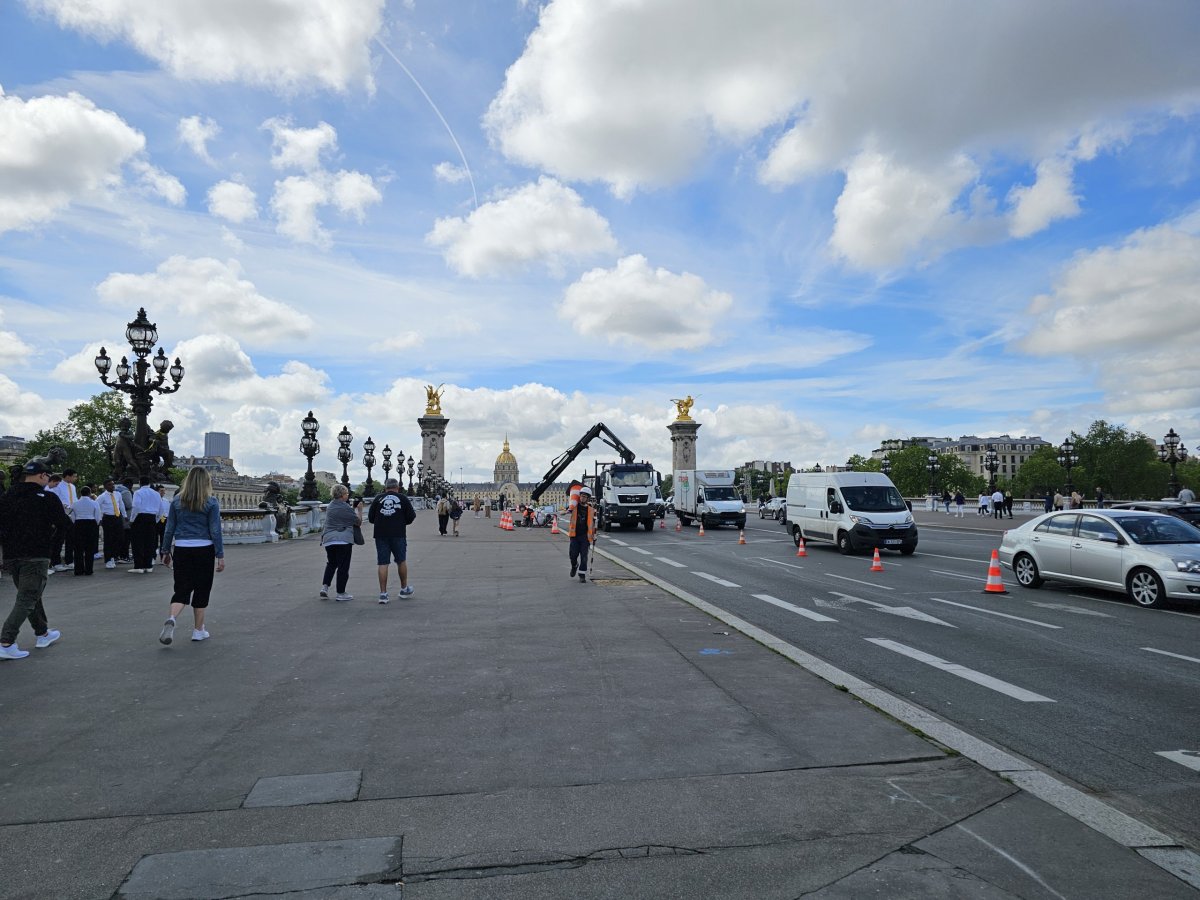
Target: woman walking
[[194, 532], [337, 537]]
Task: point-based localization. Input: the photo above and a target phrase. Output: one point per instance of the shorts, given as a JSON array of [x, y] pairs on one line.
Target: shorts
[[387, 547]]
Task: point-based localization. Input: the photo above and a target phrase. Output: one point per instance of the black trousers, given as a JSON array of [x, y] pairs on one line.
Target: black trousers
[[114, 536], [579, 551], [143, 536], [87, 539], [337, 559], [194, 568]]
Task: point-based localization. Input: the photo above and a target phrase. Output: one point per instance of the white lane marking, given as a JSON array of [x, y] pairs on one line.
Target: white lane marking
[[716, 580], [1127, 605], [617, 542], [1169, 653], [671, 562], [800, 611], [1189, 758], [969, 559], [992, 612], [959, 575], [777, 562], [1064, 607], [987, 681], [905, 611], [641, 551], [882, 587]]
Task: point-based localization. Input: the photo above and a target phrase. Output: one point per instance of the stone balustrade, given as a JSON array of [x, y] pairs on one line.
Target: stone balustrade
[[257, 526]]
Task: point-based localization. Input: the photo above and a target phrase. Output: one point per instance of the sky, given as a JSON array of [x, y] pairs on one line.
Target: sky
[[831, 224]]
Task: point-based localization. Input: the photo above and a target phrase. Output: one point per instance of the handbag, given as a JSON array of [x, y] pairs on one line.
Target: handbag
[[358, 535]]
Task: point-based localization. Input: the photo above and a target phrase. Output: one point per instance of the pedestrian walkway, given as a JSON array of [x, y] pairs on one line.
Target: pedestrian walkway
[[506, 732]]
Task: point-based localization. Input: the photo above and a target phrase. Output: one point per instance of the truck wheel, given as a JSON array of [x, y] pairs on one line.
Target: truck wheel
[[796, 535], [606, 523], [741, 523], [843, 543], [648, 524], [684, 521]]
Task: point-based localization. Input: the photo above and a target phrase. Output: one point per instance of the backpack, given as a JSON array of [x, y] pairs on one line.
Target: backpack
[[455, 509]]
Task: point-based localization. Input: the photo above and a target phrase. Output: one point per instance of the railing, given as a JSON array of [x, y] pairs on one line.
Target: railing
[[257, 526]]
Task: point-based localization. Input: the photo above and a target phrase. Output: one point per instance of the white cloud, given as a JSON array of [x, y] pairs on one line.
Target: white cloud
[[635, 304], [1050, 197], [210, 292], [232, 201], [13, 350], [538, 224], [196, 132], [405, 340], [299, 148], [156, 181], [353, 192], [449, 173], [298, 197], [56, 150], [283, 44]]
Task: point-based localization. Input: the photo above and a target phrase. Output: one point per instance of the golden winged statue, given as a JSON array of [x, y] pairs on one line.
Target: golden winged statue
[[433, 399], [684, 408]]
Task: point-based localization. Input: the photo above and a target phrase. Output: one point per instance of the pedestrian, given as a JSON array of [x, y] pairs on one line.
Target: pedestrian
[[946, 498], [478, 507], [31, 519], [337, 537], [1186, 496], [960, 502], [63, 487], [125, 495], [1048, 502], [455, 513], [194, 533], [997, 503], [487, 507], [87, 531], [164, 507], [983, 504], [443, 515], [143, 533], [582, 533], [112, 523], [1058, 501], [1099, 498], [391, 513], [1008, 503], [1076, 500]]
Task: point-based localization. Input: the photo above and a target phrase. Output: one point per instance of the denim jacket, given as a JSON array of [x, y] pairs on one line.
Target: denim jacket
[[186, 525]]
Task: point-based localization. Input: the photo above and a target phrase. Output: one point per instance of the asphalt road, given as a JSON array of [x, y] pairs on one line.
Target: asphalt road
[[1081, 682]]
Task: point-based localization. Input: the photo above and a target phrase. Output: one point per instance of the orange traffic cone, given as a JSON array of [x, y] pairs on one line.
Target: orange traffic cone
[[701, 528], [995, 582], [741, 536], [678, 526], [554, 526], [662, 523], [800, 551], [876, 563]]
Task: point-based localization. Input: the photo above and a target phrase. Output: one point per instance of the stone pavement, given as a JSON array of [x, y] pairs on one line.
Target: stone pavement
[[506, 732]]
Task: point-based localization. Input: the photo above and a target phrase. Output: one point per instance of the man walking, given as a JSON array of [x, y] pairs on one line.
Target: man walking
[[30, 521], [997, 504], [582, 532], [391, 513], [443, 514]]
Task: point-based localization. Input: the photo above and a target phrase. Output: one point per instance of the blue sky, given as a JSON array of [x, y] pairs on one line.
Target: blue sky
[[831, 224]]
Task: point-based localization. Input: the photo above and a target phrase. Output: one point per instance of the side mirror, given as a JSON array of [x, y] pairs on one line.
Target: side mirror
[[835, 508]]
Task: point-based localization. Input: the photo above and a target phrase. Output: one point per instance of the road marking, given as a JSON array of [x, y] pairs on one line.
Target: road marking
[[1169, 653], [671, 562], [1189, 758], [882, 587], [617, 542], [906, 612], [1127, 605], [955, 558], [641, 551], [777, 562], [1065, 607], [992, 612], [800, 611], [987, 681], [958, 575], [716, 580]]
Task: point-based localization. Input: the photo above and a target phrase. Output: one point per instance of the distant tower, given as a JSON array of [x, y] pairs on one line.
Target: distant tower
[[216, 443], [507, 477]]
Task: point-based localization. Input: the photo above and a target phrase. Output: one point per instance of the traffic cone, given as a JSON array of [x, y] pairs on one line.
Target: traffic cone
[[741, 536], [800, 551], [995, 582], [554, 526], [662, 523], [876, 563], [678, 525], [701, 528]]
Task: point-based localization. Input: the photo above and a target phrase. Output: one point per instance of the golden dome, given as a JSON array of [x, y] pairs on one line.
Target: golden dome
[[506, 457]]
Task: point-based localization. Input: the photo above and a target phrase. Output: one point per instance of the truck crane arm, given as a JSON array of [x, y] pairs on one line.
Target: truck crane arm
[[560, 463]]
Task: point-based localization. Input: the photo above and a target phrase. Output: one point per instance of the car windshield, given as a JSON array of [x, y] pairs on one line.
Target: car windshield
[[640, 478], [874, 498], [1158, 530], [720, 493]]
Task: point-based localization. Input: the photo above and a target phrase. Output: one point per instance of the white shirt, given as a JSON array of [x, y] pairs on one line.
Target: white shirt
[[164, 507], [66, 493], [146, 500], [87, 508], [110, 504]]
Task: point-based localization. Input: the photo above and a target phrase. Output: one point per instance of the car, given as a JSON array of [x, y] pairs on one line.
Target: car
[[775, 508], [1149, 556], [1189, 512]]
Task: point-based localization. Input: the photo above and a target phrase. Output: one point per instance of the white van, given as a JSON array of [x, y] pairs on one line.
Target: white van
[[854, 510]]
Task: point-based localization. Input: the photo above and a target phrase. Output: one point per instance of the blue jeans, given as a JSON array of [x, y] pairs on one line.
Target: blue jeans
[[29, 575]]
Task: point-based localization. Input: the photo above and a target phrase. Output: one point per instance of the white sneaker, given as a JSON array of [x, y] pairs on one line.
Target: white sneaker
[[45, 640], [344, 597], [61, 568], [199, 635], [13, 652], [383, 597], [324, 592], [111, 564], [168, 632]]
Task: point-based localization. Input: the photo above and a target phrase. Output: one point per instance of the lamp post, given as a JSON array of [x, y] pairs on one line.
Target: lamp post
[[137, 381], [310, 447], [886, 466], [991, 465], [1172, 452], [410, 474], [931, 464], [400, 468], [1067, 458], [345, 454], [387, 462], [369, 462]]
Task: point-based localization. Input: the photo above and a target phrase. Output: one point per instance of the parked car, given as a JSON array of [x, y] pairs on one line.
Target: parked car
[[775, 508], [1149, 556], [1189, 512]]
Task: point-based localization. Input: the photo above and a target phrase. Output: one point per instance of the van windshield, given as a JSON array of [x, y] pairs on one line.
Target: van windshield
[[720, 493], [874, 498]]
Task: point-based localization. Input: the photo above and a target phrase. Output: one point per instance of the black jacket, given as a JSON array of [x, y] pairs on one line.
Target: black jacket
[[31, 518], [391, 514]]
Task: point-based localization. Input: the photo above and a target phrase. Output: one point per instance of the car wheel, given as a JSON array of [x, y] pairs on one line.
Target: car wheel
[[797, 535], [907, 551], [1026, 571], [648, 524], [843, 543], [1146, 589]]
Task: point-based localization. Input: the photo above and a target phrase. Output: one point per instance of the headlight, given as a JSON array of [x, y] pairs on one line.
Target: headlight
[[860, 520], [1188, 565], [908, 520]]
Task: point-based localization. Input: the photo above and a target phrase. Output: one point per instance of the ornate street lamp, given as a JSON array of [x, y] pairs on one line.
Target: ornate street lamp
[[344, 453], [410, 474], [1067, 458], [1172, 452], [310, 447], [420, 475], [387, 462], [932, 465], [886, 466], [369, 462], [400, 469], [137, 380], [990, 465]]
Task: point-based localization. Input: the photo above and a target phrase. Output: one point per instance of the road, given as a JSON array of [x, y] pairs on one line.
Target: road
[[1081, 682]]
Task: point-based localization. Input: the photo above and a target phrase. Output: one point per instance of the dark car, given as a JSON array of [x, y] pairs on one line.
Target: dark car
[[1189, 512]]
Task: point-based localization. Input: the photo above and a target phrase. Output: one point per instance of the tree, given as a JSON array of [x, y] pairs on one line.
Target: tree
[[87, 436], [1124, 464], [910, 473], [668, 485], [860, 463], [1039, 473]]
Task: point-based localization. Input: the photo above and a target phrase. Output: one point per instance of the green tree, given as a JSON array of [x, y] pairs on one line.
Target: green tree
[[1124, 463], [860, 463], [668, 485], [87, 436], [1039, 473], [910, 473]]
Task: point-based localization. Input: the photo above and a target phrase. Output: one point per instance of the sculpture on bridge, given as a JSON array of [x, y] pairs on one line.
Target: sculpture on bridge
[[159, 450], [274, 503], [684, 408], [125, 455], [433, 399]]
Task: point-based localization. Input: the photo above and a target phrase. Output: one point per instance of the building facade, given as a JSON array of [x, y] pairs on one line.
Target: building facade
[[1011, 452]]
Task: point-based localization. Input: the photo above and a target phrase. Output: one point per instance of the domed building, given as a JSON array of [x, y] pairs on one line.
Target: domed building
[[507, 476]]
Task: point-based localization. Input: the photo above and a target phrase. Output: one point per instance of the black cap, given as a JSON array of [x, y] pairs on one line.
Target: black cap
[[35, 467]]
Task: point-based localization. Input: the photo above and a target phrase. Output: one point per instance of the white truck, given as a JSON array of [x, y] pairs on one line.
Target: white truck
[[710, 496], [854, 510], [627, 494]]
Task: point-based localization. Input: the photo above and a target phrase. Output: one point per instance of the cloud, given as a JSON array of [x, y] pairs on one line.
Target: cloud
[[405, 340], [13, 351], [232, 201], [538, 224], [449, 173], [298, 197], [196, 132], [634, 304], [209, 291], [56, 150], [156, 181], [284, 44], [299, 148]]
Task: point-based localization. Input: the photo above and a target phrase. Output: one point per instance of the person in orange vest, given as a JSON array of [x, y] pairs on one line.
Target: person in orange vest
[[582, 533]]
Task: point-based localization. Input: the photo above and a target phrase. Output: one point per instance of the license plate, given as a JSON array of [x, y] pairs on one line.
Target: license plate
[[893, 541]]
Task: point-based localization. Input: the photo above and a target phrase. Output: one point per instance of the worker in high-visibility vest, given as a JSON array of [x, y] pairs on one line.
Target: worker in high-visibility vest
[[582, 532]]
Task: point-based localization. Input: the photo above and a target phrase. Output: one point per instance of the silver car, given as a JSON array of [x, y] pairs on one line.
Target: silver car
[[1151, 557]]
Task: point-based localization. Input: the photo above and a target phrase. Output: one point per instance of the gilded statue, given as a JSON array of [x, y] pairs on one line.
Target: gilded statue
[[433, 399], [684, 407]]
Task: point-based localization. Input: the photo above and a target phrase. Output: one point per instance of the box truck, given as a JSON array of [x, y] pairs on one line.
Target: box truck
[[710, 496], [854, 510]]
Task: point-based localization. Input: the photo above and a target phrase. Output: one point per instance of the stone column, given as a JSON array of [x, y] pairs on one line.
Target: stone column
[[683, 445], [433, 443]]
